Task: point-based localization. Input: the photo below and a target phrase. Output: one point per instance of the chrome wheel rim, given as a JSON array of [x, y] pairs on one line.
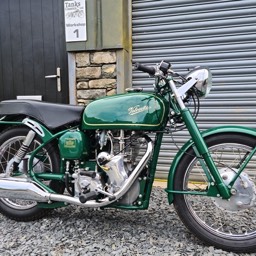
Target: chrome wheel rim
[[205, 210]]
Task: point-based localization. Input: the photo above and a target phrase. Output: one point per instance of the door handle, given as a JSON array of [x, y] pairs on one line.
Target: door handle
[[58, 79]]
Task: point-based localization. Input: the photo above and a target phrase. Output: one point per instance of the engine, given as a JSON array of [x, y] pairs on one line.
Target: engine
[[117, 154]]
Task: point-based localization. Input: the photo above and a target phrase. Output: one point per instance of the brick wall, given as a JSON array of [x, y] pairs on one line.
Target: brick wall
[[95, 75]]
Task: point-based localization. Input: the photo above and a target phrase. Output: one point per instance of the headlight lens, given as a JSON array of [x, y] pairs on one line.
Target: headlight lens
[[204, 80]]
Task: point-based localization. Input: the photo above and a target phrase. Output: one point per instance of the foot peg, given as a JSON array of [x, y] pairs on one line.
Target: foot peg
[[88, 196], [91, 195]]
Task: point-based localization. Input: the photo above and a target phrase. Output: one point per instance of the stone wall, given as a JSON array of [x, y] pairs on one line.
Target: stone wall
[[95, 75]]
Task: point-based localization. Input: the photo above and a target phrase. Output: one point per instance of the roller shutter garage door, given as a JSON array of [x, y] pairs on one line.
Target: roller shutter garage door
[[188, 33]]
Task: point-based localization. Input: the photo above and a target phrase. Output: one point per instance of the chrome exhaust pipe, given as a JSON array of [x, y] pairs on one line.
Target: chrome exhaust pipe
[[22, 188]]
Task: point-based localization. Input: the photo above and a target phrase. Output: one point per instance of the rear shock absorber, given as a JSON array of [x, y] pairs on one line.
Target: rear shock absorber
[[21, 153]]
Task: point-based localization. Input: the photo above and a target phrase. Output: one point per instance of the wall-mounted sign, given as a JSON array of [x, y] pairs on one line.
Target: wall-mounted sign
[[75, 20]]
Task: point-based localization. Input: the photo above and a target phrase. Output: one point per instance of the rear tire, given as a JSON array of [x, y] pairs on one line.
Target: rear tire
[[217, 221], [10, 142]]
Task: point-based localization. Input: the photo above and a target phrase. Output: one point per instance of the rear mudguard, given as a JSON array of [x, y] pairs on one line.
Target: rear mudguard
[[187, 145], [7, 121]]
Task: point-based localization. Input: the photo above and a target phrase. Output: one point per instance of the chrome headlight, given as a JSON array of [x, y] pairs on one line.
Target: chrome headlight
[[204, 80]]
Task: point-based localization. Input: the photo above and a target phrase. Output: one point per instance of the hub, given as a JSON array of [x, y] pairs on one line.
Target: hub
[[243, 192]]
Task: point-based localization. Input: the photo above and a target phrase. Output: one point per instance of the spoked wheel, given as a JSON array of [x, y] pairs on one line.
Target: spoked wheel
[[47, 160], [227, 224]]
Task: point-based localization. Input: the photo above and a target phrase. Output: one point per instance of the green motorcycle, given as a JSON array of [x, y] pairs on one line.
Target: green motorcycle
[[105, 155]]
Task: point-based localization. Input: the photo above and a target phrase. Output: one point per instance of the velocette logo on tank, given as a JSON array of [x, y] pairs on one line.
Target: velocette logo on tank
[[137, 109]]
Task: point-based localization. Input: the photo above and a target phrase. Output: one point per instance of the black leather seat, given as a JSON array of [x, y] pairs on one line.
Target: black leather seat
[[49, 114]]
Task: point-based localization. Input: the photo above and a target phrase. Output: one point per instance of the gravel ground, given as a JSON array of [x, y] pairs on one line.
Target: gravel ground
[[79, 231]]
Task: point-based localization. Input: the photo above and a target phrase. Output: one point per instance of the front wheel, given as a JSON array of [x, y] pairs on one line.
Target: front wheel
[[226, 224]]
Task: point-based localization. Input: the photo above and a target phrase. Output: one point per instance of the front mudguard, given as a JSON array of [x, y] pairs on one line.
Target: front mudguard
[[187, 145]]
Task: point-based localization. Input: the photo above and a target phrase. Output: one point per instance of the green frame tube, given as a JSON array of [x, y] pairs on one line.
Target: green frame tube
[[10, 123], [46, 176], [146, 185]]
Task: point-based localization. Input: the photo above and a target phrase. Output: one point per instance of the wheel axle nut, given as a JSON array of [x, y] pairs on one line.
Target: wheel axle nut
[[233, 191]]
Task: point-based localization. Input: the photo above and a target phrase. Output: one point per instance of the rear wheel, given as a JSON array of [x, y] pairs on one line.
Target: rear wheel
[[227, 224], [47, 160]]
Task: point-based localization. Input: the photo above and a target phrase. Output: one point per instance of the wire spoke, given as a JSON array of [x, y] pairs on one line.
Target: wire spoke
[[215, 213]]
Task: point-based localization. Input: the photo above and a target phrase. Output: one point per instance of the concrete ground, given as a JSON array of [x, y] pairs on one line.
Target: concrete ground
[[160, 183]]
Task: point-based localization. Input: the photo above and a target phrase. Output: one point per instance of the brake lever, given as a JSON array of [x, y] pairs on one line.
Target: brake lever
[[170, 71]]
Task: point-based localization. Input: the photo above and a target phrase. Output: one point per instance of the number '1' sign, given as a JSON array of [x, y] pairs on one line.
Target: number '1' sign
[[75, 20]]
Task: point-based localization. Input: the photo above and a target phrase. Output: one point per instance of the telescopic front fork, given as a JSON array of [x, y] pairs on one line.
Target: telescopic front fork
[[200, 144], [204, 152]]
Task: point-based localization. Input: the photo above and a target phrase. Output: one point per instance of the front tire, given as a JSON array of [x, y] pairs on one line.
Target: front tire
[[217, 221], [10, 141]]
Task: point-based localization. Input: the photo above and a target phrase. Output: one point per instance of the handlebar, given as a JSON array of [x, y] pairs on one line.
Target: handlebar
[[164, 67], [149, 70]]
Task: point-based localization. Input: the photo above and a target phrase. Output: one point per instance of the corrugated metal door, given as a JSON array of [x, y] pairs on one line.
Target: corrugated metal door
[[188, 33]]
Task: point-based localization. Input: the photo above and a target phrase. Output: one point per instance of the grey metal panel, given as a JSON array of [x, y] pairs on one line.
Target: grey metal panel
[[218, 34]]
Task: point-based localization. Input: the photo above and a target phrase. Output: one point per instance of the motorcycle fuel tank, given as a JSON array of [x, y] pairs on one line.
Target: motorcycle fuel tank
[[131, 111]]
